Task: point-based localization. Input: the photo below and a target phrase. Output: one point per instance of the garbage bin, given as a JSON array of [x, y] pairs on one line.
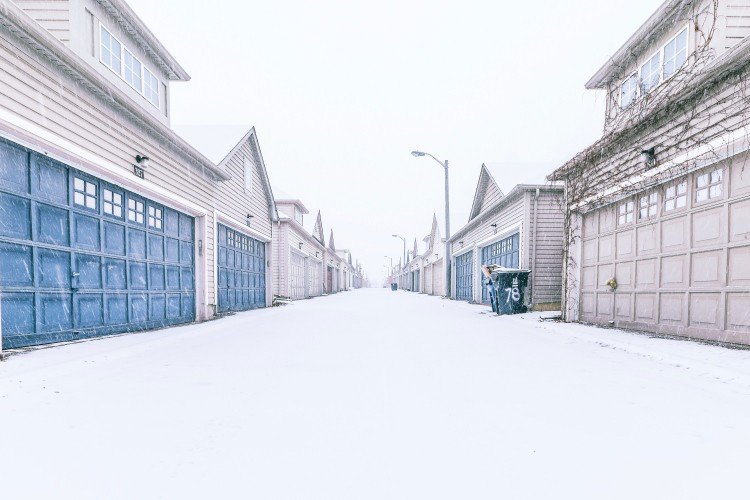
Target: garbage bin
[[394, 287], [507, 288]]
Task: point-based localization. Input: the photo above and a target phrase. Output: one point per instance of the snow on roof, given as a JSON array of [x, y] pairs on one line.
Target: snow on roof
[[215, 142]]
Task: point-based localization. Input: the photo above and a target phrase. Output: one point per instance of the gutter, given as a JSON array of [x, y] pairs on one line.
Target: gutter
[[20, 24]]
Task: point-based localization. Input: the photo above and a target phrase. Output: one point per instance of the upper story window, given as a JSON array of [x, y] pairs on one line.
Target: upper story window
[[651, 73], [709, 185], [629, 91], [675, 196], [675, 54], [151, 87], [298, 215], [121, 60], [111, 51], [659, 68], [248, 167], [133, 70]]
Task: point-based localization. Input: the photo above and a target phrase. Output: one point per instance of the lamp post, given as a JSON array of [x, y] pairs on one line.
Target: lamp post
[[404, 240], [417, 154]]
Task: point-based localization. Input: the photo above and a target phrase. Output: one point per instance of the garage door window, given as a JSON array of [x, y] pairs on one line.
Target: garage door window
[[155, 217], [135, 211], [649, 204], [709, 185], [84, 193], [625, 213], [675, 196], [112, 203]]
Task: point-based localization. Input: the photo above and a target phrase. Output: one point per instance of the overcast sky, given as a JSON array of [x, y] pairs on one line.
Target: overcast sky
[[340, 92]]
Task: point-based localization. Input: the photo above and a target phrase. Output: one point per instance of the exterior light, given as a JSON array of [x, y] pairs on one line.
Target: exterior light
[[143, 161], [300, 245], [417, 153], [648, 156]]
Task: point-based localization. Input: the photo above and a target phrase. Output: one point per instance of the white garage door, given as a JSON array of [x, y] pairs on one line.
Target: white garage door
[[680, 256], [438, 277], [297, 276], [428, 280], [316, 284]]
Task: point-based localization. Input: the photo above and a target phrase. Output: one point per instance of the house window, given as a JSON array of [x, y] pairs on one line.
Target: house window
[[648, 206], [628, 91], [298, 215], [154, 217], [248, 177], [709, 185], [112, 203], [135, 211], [651, 73], [675, 196], [133, 69], [84, 193], [150, 87], [111, 50], [675, 54], [625, 213]]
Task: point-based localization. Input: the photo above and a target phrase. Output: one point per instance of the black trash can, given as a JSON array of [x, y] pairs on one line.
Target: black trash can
[[508, 290], [394, 287]]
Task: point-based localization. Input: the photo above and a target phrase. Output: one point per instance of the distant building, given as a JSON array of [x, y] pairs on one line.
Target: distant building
[[520, 230]]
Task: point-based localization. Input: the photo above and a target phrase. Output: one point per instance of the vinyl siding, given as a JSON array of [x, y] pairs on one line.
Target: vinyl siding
[[491, 196], [52, 15], [547, 262], [44, 95]]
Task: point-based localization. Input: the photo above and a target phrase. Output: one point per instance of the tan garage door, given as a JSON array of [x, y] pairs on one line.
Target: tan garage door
[[427, 280], [297, 276], [680, 255]]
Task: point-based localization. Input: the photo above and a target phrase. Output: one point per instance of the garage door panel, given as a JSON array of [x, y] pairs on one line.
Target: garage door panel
[[704, 310], [18, 316], [674, 271], [606, 247], [739, 266], [624, 306], [138, 308], [645, 274], [606, 219], [645, 307], [157, 307], [624, 244], [674, 234], [14, 168], [54, 268], [114, 238], [708, 227], [604, 305], [739, 221], [590, 224], [55, 312], [18, 226], [89, 310], [738, 311], [590, 254], [16, 265], [89, 269], [646, 240], [115, 309], [707, 269], [52, 225], [740, 178], [604, 274], [588, 305], [136, 243], [672, 308], [50, 179], [624, 275]]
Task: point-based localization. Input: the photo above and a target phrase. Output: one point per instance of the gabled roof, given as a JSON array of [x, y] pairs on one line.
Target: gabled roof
[[486, 180], [318, 230], [331, 244], [293, 201], [434, 235], [135, 27], [251, 139], [660, 21], [415, 252]]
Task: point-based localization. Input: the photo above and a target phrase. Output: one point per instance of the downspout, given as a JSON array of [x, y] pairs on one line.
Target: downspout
[[533, 250]]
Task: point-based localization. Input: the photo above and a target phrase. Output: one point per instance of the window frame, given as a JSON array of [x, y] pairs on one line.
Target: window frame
[[122, 205], [647, 196], [708, 187], [248, 174], [677, 195], [124, 67], [639, 92], [633, 75], [641, 87], [629, 205], [144, 69], [142, 213], [85, 194]]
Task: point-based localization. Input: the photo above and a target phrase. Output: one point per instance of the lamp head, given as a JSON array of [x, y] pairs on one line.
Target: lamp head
[[417, 154]]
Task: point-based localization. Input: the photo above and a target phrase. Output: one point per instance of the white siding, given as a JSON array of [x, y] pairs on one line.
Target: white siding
[[52, 15]]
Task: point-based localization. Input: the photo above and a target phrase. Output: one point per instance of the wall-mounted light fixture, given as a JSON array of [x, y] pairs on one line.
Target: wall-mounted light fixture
[[461, 243], [648, 156], [249, 218], [143, 161], [300, 245], [317, 253]]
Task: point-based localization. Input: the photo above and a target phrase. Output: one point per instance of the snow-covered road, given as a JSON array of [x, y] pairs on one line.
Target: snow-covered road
[[376, 395]]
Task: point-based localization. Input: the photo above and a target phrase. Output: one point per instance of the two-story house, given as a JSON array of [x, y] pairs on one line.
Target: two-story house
[[117, 222], [658, 209]]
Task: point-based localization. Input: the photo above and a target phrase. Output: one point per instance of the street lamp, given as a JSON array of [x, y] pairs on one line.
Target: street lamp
[[418, 154], [404, 239]]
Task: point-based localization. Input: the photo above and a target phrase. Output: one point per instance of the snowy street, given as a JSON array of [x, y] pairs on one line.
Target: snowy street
[[377, 395]]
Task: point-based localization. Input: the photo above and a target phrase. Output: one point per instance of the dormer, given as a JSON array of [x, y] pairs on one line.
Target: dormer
[[112, 39], [294, 209], [675, 43]]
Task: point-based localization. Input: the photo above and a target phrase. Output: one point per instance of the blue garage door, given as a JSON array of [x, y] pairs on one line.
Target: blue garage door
[[80, 257], [464, 276], [502, 253], [242, 271]]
